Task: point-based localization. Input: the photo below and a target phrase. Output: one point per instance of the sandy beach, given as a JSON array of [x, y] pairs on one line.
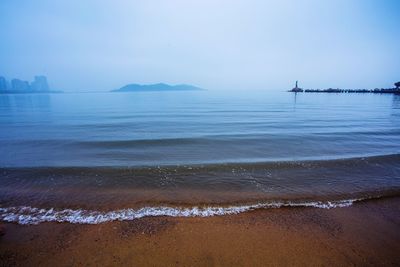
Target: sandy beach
[[365, 234], [199, 133]]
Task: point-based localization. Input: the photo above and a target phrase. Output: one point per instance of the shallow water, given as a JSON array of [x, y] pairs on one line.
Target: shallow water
[[90, 158]]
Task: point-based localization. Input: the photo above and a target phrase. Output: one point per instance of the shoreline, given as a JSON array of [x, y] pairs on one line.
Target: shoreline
[[27, 215], [364, 234], [101, 190]]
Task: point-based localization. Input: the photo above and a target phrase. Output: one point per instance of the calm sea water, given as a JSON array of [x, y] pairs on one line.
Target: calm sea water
[[164, 128], [97, 157]]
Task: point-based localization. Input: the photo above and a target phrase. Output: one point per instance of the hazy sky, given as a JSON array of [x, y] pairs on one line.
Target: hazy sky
[[102, 45]]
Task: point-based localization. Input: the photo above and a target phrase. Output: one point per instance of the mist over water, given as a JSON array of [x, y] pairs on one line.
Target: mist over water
[[99, 45]]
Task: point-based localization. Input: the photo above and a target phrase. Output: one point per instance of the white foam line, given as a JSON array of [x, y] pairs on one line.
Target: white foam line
[[32, 215]]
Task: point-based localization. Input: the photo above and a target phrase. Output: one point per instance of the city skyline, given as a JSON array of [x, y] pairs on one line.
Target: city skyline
[[39, 84]]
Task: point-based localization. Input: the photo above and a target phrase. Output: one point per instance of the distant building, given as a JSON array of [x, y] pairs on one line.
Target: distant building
[[3, 84], [40, 84], [20, 85], [296, 89]]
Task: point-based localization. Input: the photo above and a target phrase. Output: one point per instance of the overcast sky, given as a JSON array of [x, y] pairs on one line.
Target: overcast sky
[[233, 45]]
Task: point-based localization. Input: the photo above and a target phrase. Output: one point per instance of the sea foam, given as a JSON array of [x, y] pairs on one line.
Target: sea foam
[[31, 215]]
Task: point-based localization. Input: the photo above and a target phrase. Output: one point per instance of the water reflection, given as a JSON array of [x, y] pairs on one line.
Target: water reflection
[[33, 102], [396, 101]]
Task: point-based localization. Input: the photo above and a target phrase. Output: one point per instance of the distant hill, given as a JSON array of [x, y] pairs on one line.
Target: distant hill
[[156, 87]]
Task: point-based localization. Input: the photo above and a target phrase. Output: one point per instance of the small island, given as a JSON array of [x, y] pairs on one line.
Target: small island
[[395, 90], [156, 87], [17, 86]]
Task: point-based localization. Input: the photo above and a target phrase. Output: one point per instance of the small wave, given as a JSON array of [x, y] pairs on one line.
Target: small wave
[[30, 215]]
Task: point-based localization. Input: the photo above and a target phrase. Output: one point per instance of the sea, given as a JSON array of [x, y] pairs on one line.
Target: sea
[[97, 157]]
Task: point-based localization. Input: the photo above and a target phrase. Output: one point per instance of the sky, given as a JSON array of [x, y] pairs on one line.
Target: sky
[[218, 45]]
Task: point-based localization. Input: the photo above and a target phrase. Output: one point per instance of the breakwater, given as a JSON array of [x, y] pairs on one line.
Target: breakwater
[[375, 91], [338, 90]]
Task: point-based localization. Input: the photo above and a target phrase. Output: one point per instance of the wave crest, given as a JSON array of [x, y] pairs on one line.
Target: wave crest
[[30, 215]]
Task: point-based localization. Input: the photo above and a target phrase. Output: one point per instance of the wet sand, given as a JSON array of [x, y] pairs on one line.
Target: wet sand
[[365, 234]]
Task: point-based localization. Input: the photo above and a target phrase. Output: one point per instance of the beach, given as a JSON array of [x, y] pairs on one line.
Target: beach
[[267, 179], [167, 133], [364, 234]]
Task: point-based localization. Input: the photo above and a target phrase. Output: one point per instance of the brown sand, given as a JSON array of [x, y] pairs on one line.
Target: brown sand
[[366, 234]]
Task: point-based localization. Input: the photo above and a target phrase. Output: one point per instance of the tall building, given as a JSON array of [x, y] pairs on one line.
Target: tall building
[[40, 84], [19, 85], [3, 84]]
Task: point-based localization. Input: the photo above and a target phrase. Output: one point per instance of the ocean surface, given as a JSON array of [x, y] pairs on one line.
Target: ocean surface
[[97, 157]]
